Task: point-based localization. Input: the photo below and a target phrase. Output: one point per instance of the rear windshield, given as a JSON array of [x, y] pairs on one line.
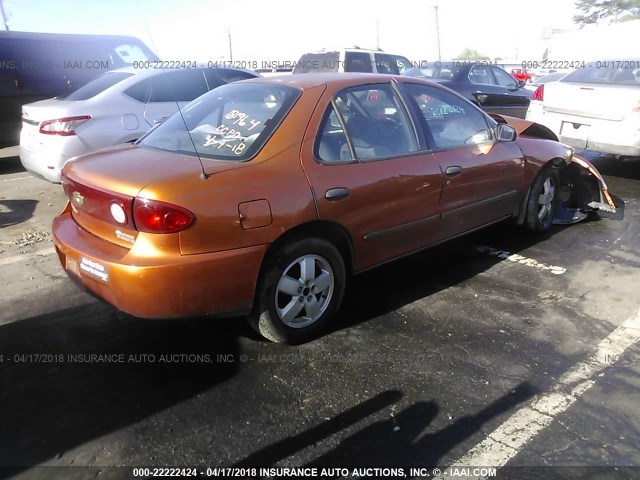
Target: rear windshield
[[610, 72], [97, 86], [231, 122], [318, 62]]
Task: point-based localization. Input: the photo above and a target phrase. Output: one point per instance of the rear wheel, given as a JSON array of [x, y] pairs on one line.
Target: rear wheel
[[300, 291], [543, 200]]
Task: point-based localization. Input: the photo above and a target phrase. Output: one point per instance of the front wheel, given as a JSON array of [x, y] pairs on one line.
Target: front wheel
[[300, 291], [543, 200]]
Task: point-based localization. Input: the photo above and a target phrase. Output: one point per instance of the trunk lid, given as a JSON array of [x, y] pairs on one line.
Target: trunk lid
[[591, 100], [117, 175]]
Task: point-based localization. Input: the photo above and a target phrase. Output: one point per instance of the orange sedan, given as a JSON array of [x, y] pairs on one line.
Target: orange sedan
[[261, 197]]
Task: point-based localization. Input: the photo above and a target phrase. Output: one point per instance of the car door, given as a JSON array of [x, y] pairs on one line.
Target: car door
[[515, 100], [370, 173], [482, 178]]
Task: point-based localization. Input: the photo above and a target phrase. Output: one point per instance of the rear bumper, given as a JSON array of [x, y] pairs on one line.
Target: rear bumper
[[608, 136], [45, 155], [158, 286]]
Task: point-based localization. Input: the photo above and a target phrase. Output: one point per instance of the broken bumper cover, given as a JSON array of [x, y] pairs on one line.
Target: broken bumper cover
[[585, 191]]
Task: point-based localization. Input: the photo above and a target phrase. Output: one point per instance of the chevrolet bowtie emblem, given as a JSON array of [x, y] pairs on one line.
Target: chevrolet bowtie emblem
[[77, 198]]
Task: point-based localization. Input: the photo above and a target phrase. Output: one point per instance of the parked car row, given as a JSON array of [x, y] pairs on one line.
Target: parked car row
[[117, 107]]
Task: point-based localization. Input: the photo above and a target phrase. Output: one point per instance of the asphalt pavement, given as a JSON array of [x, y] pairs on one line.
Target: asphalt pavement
[[500, 347]]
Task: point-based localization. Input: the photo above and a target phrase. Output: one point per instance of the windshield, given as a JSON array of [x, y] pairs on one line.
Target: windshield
[[231, 122], [609, 72], [97, 86]]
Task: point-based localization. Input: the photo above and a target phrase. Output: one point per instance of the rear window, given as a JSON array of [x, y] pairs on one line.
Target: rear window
[[97, 86], [610, 72], [232, 122], [172, 86], [318, 62]]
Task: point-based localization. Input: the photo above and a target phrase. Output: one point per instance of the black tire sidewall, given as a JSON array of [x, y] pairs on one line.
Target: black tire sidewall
[[266, 320], [533, 222]]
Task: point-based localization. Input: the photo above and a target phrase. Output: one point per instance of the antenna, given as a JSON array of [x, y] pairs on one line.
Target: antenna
[[203, 175]]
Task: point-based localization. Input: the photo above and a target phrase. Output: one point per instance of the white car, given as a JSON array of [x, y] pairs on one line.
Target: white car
[[596, 107], [354, 59], [547, 78], [117, 107]]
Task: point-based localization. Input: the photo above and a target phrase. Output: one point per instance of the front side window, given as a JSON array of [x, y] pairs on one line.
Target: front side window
[[376, 122], [231, 122], [503, 78], [451, 122]]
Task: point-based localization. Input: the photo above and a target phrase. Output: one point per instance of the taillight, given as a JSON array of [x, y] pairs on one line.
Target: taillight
[[152, 216], [538, 94], [63, 126]]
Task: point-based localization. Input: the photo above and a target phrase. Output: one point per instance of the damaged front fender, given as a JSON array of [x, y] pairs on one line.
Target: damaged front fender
[[583, 190]]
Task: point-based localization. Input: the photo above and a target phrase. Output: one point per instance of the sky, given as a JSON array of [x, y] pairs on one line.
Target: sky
[[282, 30]]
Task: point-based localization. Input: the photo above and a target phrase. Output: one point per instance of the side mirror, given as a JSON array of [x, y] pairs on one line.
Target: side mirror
[[505, 133]]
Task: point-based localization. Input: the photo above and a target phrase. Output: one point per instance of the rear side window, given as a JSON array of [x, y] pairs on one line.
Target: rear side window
[[231, 122], [357, 62], [318, 62], [612, 72], [480, 74], [376, 122], [98, 85], [393, 64], [172, 86]]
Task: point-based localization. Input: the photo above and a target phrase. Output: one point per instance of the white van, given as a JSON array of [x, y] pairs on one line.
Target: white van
[[352, 60]]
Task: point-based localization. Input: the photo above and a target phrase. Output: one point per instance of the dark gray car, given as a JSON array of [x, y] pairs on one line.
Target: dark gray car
[[483, 83]]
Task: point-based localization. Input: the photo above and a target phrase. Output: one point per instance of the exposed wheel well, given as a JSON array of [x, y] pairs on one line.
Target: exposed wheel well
[[553, 163], [329, 231]]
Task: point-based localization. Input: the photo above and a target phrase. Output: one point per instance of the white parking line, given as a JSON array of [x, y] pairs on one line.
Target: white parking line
[[17, 178], [514, 257], [508, 439], [19, 258]]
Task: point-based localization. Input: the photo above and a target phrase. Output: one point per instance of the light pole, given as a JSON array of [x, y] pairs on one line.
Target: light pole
[[435, 7], [230, 48]]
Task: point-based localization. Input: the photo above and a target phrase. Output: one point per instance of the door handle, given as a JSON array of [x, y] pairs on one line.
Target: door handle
[[334, 194], [453, 171]]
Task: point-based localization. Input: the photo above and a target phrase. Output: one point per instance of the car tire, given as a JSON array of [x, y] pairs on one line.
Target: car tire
[[543, 200], [300, 291]]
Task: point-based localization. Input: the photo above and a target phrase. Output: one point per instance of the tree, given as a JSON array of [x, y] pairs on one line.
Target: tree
[[615, 10], [471, 54]]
